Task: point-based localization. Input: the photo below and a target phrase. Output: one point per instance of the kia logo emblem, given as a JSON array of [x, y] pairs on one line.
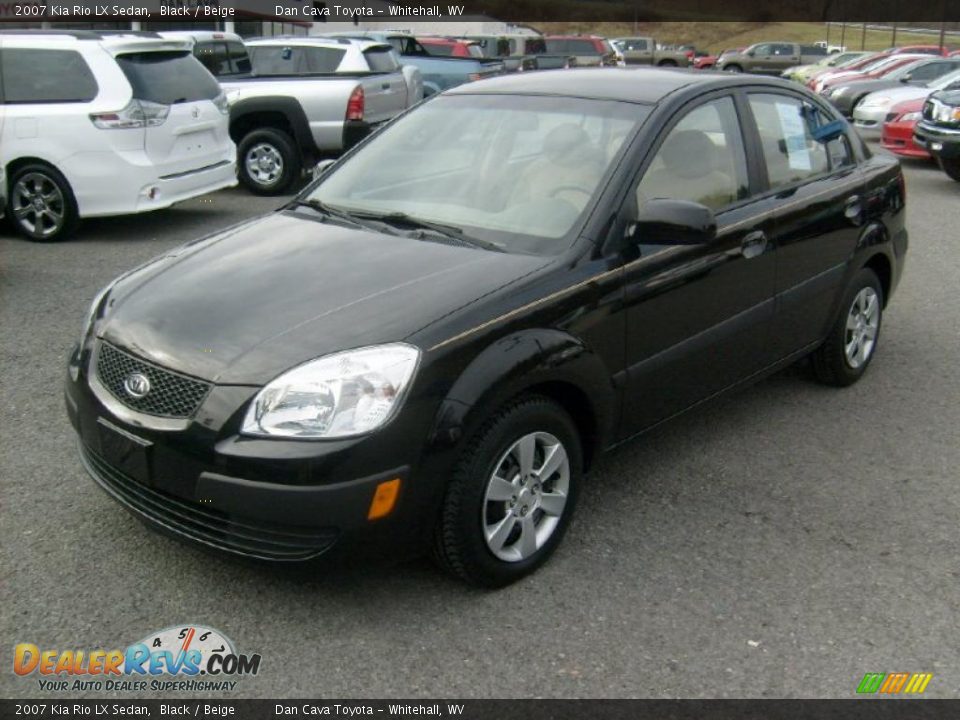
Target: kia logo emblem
[[195, 112], [137, 385]]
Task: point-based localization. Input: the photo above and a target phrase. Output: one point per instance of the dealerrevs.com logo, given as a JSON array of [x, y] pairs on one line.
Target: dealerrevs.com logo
[[184, 657]]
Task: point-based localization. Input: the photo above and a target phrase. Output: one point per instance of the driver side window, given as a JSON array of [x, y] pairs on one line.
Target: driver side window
[[701, 159]]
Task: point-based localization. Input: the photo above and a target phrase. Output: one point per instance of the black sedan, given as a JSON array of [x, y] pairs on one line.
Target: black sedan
[[429, 347]]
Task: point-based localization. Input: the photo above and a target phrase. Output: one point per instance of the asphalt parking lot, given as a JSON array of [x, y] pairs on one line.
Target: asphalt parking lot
[[781, 542]]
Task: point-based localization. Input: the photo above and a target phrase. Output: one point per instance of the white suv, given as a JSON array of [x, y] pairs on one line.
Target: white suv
[[95, 124]]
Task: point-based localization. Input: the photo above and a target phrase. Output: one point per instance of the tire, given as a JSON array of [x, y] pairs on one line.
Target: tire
[[268, 162], [41, 205], [476, 505], [861, 316], [734, 68], [667, 63], [951, 166]]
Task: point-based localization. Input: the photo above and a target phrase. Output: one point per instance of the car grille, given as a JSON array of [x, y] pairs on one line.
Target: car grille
[[171, 394], [242, 536]]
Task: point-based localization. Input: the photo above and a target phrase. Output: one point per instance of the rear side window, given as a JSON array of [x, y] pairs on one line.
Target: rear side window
[[46, 76], [168, 77], [381, 60], [789, 150], [223, 59], [535, 46], [635, 44], [440, 50], [585, 47], [295, 61]]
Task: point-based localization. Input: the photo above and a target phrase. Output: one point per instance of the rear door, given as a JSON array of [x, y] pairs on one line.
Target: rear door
[[386, 92], [194, 133], [815, 196]]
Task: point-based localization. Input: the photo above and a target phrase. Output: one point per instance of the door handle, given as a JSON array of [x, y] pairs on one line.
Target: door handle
[[753, 244], [385, 86]]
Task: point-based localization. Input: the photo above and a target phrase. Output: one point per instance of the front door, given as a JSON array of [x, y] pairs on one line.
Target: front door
[[698, 317]]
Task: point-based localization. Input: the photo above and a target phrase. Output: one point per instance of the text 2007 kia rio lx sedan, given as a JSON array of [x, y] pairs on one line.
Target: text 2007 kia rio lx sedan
[[432, 343]]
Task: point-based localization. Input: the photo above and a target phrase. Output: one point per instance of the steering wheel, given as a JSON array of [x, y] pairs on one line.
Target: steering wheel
[[570, 188]]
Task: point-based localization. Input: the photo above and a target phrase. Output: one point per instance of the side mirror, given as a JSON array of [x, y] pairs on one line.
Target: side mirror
[[321, 167], [751, 53], [674, 222], [906, 78]]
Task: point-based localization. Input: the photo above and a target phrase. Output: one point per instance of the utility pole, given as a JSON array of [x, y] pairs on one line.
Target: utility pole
[[863, 37], [893, 40]]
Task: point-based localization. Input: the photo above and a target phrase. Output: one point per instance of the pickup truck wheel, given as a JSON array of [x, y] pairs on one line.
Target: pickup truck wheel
[[511, 494], [667, 63], [268, 161], [732, 68], [951, 166], [41, 205], [852, 342]]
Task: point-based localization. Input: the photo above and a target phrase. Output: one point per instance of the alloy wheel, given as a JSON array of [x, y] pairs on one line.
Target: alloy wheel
[[863, 322], [38, 205], [526, 496]]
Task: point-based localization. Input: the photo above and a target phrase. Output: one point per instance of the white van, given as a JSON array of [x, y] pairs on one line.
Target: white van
[[95, 124]]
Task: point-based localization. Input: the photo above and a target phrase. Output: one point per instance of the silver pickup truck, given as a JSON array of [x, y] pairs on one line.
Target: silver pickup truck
[[295, 100]]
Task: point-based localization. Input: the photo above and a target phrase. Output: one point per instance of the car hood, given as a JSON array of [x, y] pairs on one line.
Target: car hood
[[243, 306], [898, 94]]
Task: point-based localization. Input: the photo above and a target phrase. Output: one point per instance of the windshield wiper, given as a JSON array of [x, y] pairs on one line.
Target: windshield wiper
[[415, 223], [331, 211]]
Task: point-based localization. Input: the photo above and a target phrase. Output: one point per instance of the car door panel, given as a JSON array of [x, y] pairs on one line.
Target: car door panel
[[698, 317]]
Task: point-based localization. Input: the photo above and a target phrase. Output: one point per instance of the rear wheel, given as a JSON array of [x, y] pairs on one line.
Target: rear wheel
[[511, 494], [951, 166], [852, 342], [667, 63], [41, 204], [268, 162]]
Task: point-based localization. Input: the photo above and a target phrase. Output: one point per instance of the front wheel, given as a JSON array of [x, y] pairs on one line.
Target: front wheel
[[951, 166], [852, 342], [511, 495], [268, 162], [732, 68]]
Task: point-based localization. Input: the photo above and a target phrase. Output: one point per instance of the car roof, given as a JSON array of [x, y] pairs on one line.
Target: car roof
[[638, 85], [201, 35], [317, 41], [114, 42]]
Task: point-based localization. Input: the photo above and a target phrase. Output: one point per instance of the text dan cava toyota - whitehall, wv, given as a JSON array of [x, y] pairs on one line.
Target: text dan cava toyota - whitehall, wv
[[429, 347]]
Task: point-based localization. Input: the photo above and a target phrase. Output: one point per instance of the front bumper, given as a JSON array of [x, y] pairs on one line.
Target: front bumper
[[869, 121], [897, 137], [266, 499], [938, 141]]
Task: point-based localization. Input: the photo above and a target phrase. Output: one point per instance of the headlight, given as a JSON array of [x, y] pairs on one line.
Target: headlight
[[348, 393], [92, 312], [910, 116], [875, 101]]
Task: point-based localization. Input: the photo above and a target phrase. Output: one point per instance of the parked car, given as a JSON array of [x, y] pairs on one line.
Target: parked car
[[873, 70], [770, 58], [708, 62], [831, 49], [897, 134], [939, 129], [94, 124], [302, 99], [854, 65], [643, 51], [449, 47], [587, 50], [439, 73], [845, 96], [918, 50], [871, 112], [519, 52], [802, 73], [446, 328]]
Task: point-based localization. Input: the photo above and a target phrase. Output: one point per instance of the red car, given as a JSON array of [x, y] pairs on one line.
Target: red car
[[856, 65], [919, 50], [706, 62], [897, 135], [444, 47]]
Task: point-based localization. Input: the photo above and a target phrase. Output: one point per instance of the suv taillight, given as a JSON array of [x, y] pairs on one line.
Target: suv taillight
[[355, 104], [137, 114], [220, 101]]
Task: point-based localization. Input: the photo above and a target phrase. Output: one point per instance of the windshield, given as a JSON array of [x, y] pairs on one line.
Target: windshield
[[168, 77], [515, 171], [942, 82]]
